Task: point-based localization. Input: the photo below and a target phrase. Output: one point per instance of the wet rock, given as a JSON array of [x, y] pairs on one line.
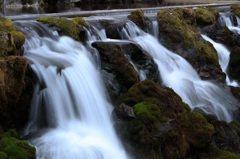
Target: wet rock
[[185, 40], [236, 9], [206, 16], [113, 61], [164, 127], [124, 112], [234, 64], [209, 117], [225, 138], [222, 34], [64, 25], [137, 17]]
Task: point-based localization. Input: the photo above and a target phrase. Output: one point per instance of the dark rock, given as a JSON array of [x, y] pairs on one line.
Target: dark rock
[[124, 112], [209, 117], [185, 40], [236, 9], [234, 64], [222, 34], [113, 61], [225, 138]]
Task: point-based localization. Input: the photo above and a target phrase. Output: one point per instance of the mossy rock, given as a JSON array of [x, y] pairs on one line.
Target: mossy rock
[[214, 153], [80, 21], [206, 16], [113, 61], [186, 40], [236, 9], [12, 147], [234, 64], [68, 27], [236, 126], [18, 38], [187, 14], [137, 17], [164, 126], [6, 25]]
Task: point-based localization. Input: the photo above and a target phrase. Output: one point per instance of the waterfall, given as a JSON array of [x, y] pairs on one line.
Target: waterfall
[[227, 19], [178, 74], [69, 99], [223, 56]]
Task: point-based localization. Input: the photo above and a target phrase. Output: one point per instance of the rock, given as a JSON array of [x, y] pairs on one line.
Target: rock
[[235, 125], [124, 112], [64, 25], [113, 61], [6, 25], [236, 9], [185, 40], [186, 14], [225, 138], [164, 127], [209, 117], [12, 147], [206, 16], [80, 21], [222, 34], [234, 64], [12, 85], [137, 17]]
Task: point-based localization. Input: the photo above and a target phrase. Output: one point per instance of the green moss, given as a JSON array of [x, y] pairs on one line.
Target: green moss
[[18, 38], [68, 27], [3, 155], [137, 16], [236, 126], [6, 25], [14, 148], [80, 21], [216, 153], [236, 9], [206, 16], [186, 14]]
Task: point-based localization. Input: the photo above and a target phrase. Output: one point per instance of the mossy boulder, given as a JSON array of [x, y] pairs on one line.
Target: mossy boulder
[[187, 14], [234, 64], [236, 9], [221, 34], [164, 126], [11, 147], [225, 138], [185, 39], [68, 27], [14, 104], [80, 21], [6, 25], [114, 62], [137, 17], [206, 16]]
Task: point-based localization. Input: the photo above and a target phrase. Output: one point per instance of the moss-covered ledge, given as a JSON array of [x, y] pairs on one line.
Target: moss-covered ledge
[[236, 9], [206, 16], [68, 27]]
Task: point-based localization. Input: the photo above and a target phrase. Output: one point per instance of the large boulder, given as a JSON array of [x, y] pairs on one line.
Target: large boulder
[[164, 126], [186, 40], [68, 27], [234, 64], [114, 62]]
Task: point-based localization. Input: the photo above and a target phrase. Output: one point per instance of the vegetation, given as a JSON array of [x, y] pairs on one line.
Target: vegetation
[[236, 9], [137, 16], [206, 16], [80, 21]]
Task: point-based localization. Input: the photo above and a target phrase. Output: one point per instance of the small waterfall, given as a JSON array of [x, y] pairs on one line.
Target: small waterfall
[[69, 98], [223, 56], [227, 19], [155, 28], [178, 74]]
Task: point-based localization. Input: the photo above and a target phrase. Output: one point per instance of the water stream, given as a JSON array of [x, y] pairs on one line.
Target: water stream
[[69, 99], [178, 74]]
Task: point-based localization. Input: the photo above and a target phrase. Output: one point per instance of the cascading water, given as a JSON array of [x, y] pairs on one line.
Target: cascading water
[[178, 74], [227, 19], [223, 56], [69, 97]]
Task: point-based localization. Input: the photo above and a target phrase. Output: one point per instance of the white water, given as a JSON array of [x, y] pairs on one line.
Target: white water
[[71, 90], [178, 74], [223, 57], [226, 19]]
